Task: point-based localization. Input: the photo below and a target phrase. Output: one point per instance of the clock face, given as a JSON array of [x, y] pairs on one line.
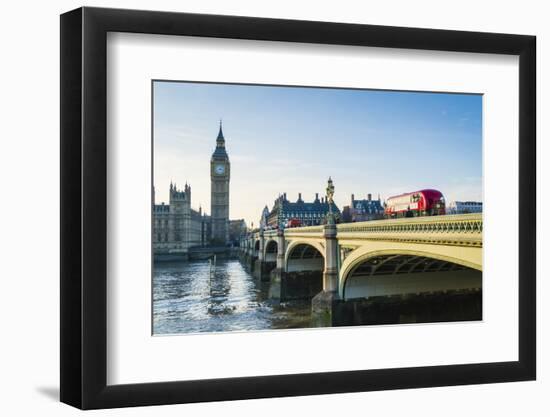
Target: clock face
[[219, 169]]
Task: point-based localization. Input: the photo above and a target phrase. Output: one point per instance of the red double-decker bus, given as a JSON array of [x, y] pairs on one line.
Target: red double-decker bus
[[293, 223], [417, 203]]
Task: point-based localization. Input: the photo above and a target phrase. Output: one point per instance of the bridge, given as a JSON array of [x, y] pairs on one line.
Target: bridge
[[337, 265]]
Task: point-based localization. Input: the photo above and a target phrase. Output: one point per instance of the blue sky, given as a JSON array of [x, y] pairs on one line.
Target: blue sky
[[291, 139]]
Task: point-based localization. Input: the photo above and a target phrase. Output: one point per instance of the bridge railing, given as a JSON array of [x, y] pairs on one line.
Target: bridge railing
[[270, 234], [458, 229], [454, 222], [307, 231]]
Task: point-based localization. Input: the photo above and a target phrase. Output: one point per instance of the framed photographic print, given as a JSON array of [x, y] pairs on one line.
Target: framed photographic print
[[258, 207]]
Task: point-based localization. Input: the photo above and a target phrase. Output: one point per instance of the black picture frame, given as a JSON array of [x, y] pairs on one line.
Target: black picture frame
[[84, 207]]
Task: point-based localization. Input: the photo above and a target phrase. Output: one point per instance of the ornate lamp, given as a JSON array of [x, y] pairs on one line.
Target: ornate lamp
[[330, 200]]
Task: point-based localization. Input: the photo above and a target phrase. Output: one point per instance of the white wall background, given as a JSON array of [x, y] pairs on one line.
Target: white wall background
[[29, 211]]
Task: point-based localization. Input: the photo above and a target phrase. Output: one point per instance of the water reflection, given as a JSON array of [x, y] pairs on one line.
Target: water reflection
[[192, 297]]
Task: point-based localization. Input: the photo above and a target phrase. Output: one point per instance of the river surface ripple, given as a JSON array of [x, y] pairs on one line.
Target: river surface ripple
[[190, 297]]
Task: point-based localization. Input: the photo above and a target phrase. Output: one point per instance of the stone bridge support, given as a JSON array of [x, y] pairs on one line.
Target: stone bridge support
[[248, 256], [261, 268], [266, 260], [243, 249], [278, 274], [326, 306], [280, 251]]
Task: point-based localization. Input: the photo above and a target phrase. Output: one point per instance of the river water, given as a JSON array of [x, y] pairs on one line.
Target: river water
[[192, 297]]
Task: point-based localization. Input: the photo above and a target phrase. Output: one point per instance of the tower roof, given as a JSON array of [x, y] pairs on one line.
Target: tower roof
[[220, 152], [220, 133]]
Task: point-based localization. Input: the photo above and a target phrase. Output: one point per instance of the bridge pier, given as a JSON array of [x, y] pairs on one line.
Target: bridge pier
[[251, 262], [261, 268], [248, 255], [243, 246], [295, 285], [278, 274], [327, 306], [441, 306]]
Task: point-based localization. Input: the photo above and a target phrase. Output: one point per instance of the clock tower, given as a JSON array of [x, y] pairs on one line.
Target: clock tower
[[219, 191]]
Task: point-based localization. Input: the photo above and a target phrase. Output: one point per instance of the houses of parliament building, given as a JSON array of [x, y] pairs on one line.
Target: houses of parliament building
[[178, 227]]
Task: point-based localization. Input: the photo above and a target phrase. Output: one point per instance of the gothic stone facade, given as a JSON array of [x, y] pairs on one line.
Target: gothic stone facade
[[176, 226], [363, 210], [308, 213]]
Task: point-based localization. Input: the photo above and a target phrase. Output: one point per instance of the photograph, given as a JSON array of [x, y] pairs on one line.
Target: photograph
[[330, 203], [290, 207]]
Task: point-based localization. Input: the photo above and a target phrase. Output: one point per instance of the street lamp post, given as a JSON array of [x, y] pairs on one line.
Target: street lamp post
[[330, 200], [325, 304]]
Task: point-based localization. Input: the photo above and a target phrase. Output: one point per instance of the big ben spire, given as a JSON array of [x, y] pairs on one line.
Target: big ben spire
[[220, 151], [219, 191], [220, 139]]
